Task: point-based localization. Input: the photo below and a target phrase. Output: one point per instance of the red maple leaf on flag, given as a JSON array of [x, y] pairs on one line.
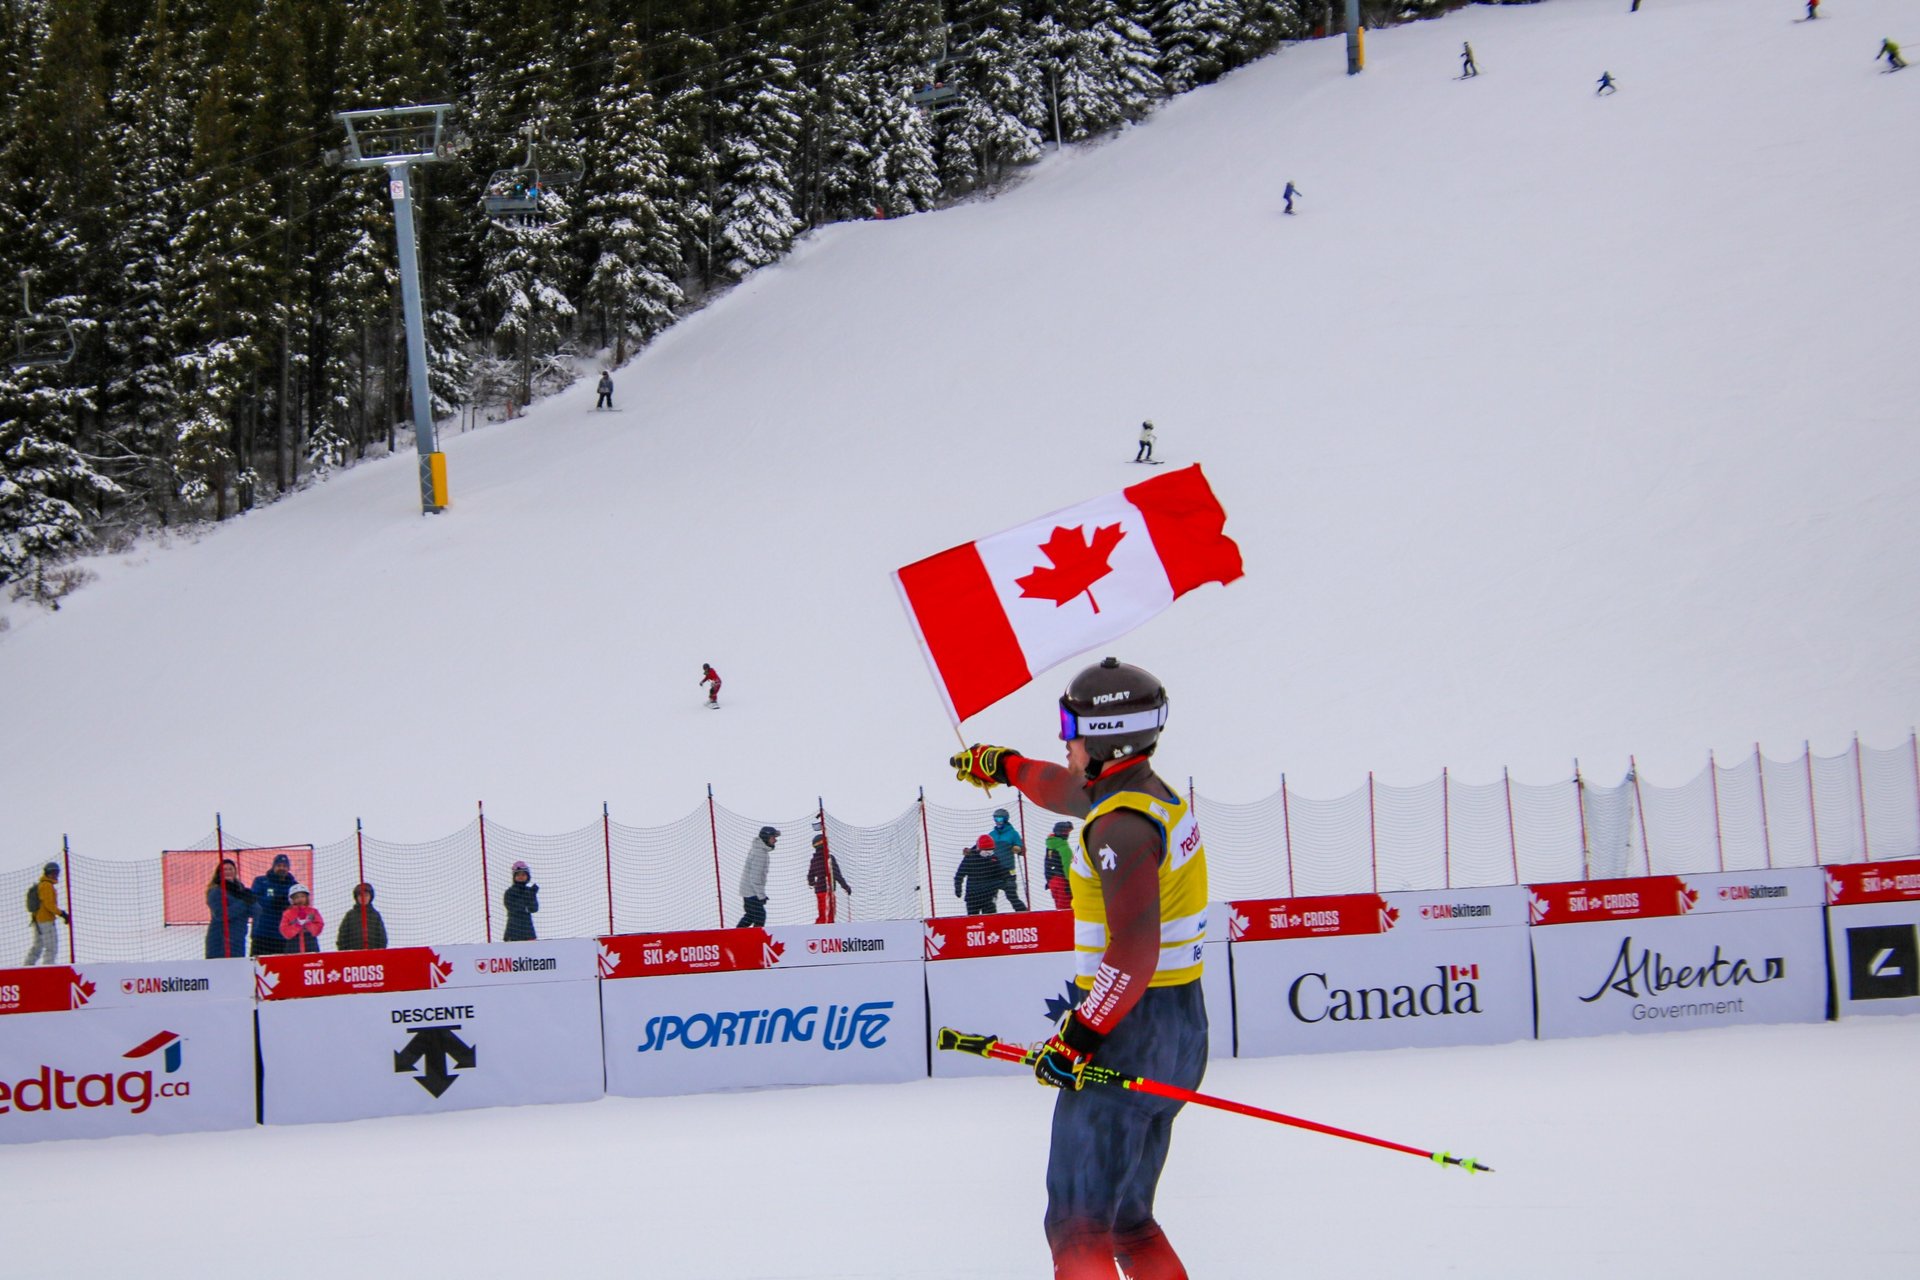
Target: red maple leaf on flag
[[1076, 564]]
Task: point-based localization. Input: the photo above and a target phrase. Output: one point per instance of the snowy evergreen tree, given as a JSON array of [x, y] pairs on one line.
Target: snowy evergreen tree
[[759, 132], [1003, 96]]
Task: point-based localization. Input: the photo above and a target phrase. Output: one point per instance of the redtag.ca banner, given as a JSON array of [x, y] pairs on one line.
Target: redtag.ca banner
[[341, 973]]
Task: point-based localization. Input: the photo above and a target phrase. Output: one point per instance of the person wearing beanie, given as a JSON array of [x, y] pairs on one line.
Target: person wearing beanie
[[43, 915], [977, 879], [300, 923], [522, 899], [1059, 854], [753, 879], [823, 873], [270, 893], [361, 928], [229, 912]]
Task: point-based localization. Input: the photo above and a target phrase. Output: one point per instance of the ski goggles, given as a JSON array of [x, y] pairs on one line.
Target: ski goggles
[[1104, 725]]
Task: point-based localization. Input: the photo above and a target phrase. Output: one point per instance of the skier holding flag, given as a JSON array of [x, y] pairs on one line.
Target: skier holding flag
[[1139, 900]]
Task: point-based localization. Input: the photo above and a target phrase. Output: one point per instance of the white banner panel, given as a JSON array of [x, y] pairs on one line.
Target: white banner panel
[[872, 942], [168, 983], [162, 1068], [819, 1024], [501, 963], [410, 1052], [1874, 929], [1383, 991], [1676, 972]]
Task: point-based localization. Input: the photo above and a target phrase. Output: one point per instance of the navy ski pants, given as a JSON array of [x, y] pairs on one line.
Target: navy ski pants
[[1108, 1143]]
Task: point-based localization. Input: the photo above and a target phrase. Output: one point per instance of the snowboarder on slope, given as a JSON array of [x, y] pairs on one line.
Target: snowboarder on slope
[[1140, 914], [606, 391], [1606, 84], [709, 676], [1813, 9], [1145, 452], [1289, 194], [1891, 52], [1467, 68]]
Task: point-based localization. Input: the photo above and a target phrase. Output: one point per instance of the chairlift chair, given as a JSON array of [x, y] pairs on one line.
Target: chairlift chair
[[37, 339], [512, 196]]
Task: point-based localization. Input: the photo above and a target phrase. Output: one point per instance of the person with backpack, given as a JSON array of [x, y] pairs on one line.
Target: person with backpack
[[361, 928], [301, 923], [1059, 854], [522, 899], [270, 894], [43, 915], [229, 912]]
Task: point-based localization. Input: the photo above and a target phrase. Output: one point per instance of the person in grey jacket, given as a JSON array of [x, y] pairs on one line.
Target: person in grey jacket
[[753, 879]]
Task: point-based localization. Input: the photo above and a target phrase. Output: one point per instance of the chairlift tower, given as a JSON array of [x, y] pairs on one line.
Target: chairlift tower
[[396, 139]]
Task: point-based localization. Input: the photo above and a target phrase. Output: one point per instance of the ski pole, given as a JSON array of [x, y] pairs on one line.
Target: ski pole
[[987, 1046]]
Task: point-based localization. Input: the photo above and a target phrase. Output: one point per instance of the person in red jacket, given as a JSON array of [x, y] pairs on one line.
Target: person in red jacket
[[823, 873], [300, 923], [709, 676]]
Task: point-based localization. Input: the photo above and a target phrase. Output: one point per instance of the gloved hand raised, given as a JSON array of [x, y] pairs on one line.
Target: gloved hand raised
[[983, 766], [1062, 1063]]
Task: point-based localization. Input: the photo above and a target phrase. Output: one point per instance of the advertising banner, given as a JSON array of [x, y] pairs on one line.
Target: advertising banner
[[1381, 971], [814, 1024], [1668, 953], [1873, 925], [423, 1029], [165, 1047], [1012, 976], [185, 875]]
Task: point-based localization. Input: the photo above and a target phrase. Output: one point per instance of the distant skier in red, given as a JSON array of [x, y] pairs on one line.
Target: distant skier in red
[[708, 676]]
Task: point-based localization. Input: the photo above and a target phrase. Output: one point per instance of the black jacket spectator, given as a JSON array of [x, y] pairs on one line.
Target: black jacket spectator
[[361, 928], [523, 899], [229, 915]]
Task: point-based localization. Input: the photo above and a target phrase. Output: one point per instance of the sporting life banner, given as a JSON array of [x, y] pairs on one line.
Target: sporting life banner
[[1873, 927], [164, 1048], [858, 1023], [1012, 976], [1381, 971], [419, 1029], [1669, 953]]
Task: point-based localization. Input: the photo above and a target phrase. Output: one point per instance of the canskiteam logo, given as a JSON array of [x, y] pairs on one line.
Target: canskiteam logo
[[515, 964], [163, 986], [841, 1027], [1748, 892], [844, 946], [1456, 911], [1647, 973], [1455, 989], [52, 1089]]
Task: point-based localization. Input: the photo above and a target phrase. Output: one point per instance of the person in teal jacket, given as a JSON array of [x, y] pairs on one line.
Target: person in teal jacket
[[1008, 848]]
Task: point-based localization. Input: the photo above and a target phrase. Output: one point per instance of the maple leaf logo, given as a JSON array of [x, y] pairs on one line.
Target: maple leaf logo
[[1833, 887], [1689, 898], [1076, 564], [1389, 915], [770, 953], [264, 981], [1057, 1006], [1237, 926], [606, 960], [935, 941], [438, 970], [82, 990], [1536, 907]]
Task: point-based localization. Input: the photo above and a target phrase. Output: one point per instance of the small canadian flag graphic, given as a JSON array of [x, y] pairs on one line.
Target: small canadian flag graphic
[[1471, 972]]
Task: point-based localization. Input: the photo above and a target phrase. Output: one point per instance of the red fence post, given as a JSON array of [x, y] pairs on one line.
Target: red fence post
[[1713, 778], [1373, 835], [713, 829], [1580, 807], [1913, 742], [1286, 822], [1446, 831], [926, 844], [606, 838], [1766, 835], [359, 854], [1813, 814], [1860, 784], [1646, 850], [1513, 843], [66, 873], [486, 888]]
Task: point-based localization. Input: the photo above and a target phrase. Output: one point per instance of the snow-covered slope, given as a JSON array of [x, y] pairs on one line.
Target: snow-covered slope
[[1552, 426]]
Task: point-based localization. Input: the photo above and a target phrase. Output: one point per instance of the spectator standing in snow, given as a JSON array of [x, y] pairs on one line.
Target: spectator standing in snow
[[753, 879], [977, 878], [270, 893], [1606, 84], [1145, 452], [300, 923], [523, 900], [361, 928], [606, 391], [708, 676], [1467, 67], [1891, 52], [43, 913], [1059, 854], [823, 873], [1289, 194], [229, 912], [1008, 848]]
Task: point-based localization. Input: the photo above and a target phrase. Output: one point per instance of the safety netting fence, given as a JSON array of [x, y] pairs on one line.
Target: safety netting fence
[[611, 877]]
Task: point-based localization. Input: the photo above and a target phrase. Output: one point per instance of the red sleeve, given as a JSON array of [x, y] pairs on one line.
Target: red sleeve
[[1051, 786], [1126, 849]]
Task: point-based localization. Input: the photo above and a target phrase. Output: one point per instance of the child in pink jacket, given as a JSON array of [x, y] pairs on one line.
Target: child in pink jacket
[[301, 924]]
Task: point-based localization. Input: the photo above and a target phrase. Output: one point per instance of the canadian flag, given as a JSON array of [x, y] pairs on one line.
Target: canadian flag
[[993, 613]]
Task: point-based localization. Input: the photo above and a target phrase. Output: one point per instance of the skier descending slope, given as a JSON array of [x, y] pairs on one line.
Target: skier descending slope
[[708, 676], [1139, 884]]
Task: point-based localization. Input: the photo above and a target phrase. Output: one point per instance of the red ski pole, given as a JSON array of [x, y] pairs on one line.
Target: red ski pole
[[992, 1047]]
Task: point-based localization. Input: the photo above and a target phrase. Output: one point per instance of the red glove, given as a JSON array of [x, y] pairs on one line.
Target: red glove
[[983, 766]]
